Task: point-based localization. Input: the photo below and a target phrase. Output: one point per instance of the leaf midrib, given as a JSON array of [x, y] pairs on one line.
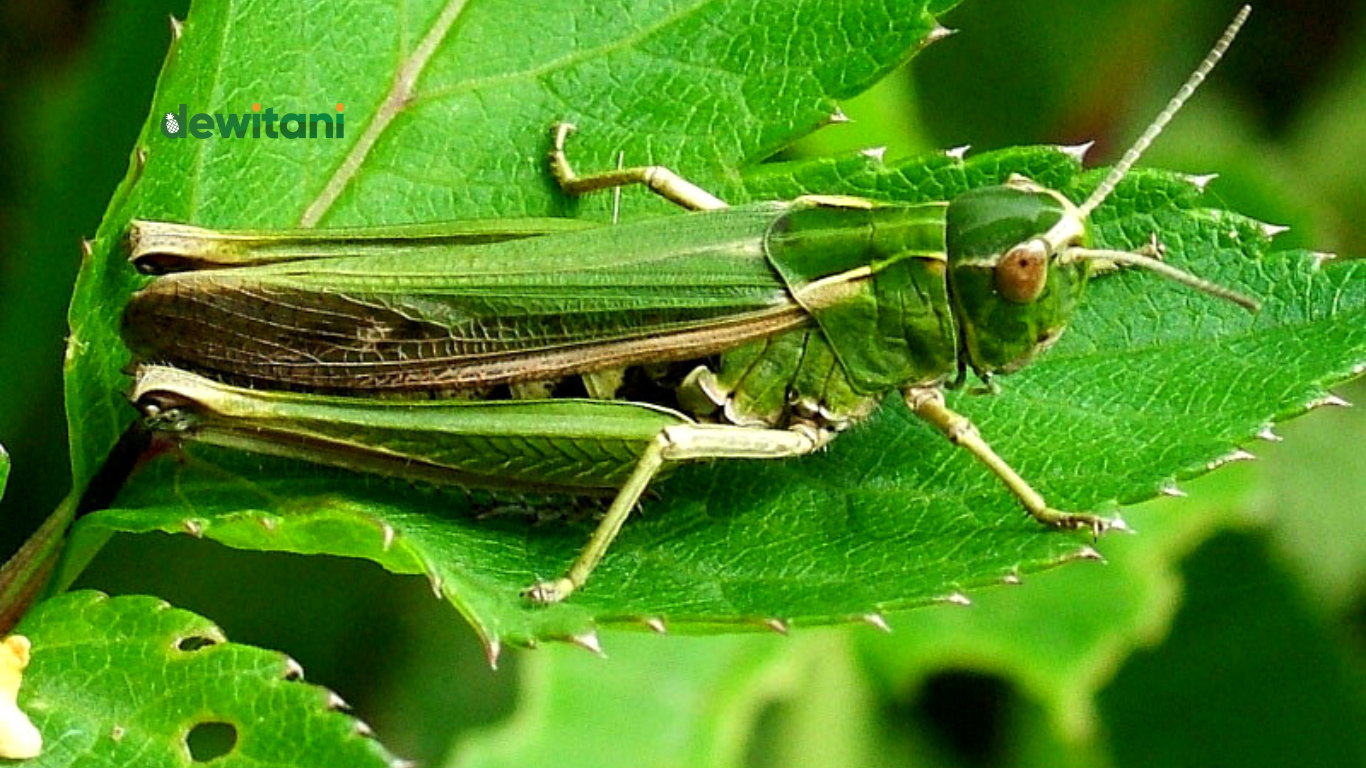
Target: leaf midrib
[[402, 94], [395, 101]]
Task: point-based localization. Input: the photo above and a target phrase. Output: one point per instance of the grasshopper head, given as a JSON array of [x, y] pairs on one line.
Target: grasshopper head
[[1019, 257], [1013, 291]]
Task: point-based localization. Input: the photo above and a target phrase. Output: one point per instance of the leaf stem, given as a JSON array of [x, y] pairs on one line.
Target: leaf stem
[[24, 576]]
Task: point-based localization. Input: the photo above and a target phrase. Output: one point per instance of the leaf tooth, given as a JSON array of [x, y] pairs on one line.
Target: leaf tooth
[[1012, 579], [1329, 400], [74, 349], [1116, 523], [1269, 435], [336, 703], [1077, 152], [400, 762], [194, 527], [177, 29], [1270, 231], [293, 669], [955, 598], [387, 535], [493, 648], [876, 154], [837, 117], [876, 621], [363, 729], [588, 641], [656, 624], [1320, 257], [87, 249], [939, 32], [1087, 552], [958, 153], [1172, 490], [1237, 454], [775, 624], [1200, 180]]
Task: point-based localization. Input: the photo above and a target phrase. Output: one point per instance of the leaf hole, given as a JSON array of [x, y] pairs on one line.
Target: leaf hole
[[969, 713], [194, 643], [210, 740]]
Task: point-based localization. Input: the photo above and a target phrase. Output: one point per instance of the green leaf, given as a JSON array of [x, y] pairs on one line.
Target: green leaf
[[1058, 667], [1313, 500], [1150, 385], [855, 698], [132, 681], [829, 695], [1111, 610], [1293, 697], [703, 700]]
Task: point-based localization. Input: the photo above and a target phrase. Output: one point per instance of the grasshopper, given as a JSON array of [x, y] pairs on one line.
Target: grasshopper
[[566, 357]]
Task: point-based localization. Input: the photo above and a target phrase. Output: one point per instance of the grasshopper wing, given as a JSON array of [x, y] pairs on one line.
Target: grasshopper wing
[[456, 318]]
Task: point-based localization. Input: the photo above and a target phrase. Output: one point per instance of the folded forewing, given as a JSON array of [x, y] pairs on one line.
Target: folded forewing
[[450, 318]]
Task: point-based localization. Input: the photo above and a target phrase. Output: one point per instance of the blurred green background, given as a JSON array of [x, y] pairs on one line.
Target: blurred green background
[[1231, 632]]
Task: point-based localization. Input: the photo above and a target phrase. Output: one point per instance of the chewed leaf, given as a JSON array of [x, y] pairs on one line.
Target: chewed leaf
[[140, 683]]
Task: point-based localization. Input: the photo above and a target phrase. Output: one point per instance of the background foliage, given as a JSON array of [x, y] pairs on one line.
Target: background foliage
[[1269, 552]]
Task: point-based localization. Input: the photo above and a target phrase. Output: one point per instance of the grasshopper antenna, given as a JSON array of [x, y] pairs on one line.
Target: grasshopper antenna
[[1153, 264], [1197, 77]]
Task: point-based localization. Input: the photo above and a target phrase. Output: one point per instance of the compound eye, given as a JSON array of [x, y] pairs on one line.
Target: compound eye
[[1023, 272]]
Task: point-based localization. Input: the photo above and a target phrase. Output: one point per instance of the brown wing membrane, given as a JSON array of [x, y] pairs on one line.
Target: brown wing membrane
[[475, 316]]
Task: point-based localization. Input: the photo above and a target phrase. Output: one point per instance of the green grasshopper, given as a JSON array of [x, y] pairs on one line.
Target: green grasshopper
[[577, 358]]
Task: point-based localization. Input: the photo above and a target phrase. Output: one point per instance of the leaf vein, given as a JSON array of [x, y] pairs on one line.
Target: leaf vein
[[400, 96]]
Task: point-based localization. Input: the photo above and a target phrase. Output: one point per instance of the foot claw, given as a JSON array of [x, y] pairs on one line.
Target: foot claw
[[548, 592], [1102, 525], [1071, 521]]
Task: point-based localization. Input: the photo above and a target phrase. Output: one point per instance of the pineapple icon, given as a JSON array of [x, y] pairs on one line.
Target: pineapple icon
[[172, 126]]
